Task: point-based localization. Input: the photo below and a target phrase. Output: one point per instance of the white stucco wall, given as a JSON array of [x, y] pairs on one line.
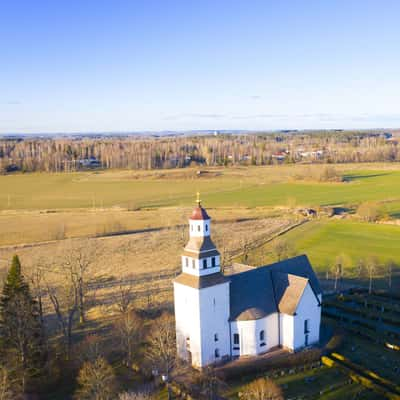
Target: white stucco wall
[[187, 320], [286, 323], [307, 309], [201, 314], [292, 327], [249, 335]]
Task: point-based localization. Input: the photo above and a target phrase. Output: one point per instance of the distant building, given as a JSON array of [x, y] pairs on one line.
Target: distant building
[[91, 162], [280, 156], [248, 313]]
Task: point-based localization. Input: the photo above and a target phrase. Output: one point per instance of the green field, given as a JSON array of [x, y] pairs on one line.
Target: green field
[[323, 240], [244, 187]]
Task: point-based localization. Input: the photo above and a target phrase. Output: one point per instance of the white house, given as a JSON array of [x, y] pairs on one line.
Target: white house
[[249, 313]]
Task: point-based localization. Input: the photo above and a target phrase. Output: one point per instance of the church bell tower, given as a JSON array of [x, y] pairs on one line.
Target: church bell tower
[[201, 297], [200, 256]]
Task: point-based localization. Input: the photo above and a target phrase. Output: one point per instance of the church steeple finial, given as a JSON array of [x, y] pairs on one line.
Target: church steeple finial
[[198, 201]]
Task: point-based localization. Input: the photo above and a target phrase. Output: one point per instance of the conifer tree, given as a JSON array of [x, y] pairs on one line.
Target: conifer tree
[[21, 341]]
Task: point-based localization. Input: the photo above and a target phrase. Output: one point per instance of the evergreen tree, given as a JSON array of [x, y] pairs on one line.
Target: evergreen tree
[[21, 342]]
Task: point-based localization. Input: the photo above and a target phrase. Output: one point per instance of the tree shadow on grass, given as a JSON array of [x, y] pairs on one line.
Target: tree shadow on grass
[[354, 177]]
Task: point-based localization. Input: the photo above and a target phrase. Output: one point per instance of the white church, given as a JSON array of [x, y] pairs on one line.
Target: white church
[[245, 314]]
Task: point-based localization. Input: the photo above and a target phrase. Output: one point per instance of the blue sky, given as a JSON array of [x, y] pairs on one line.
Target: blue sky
[[92, 65]]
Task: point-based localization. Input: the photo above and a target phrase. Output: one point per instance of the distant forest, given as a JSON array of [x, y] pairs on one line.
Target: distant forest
[[72, 154]]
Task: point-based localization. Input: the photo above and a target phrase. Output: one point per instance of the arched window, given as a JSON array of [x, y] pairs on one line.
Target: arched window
[[262, 338], [206, 227], [213, 262], [198, 228], [205, 263], [216, 353], [307, 326], [193, 264], [215, 337]]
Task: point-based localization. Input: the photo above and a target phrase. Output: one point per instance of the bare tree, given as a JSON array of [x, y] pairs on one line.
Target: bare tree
[[342, 261], [262, 389], [209, 383], [96, 381], [371, 265], [6, 385], [88, 349], [282, 249], [129, 328], [77, 263], [245, 247], [368, 211], [36, 276], [64, 300], [360, 267], [162, 348], [124, 296], [389, 267], [135, 396]]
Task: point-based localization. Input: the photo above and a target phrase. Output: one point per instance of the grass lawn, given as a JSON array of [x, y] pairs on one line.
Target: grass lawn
[[323, 240]]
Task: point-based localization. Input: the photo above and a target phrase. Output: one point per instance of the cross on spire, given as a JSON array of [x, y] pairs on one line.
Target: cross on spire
[[198, 201]]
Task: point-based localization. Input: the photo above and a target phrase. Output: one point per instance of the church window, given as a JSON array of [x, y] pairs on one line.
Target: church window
[[193, 264], [214, 302], [262, 338], [198, 228], [205, 263], [306, 326], [216, 353], [215, 337], [235, 341], [306, 340], [187, 261], [213, 262], [206, 227], [191, 227]]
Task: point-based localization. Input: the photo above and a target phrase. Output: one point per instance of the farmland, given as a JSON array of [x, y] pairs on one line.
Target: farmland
[[220, 187], [136, 223]]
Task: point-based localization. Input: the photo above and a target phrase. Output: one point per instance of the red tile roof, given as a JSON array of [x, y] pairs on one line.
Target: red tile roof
[[199, 213]]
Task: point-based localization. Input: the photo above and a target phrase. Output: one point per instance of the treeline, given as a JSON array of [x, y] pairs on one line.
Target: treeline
[[70, 154]]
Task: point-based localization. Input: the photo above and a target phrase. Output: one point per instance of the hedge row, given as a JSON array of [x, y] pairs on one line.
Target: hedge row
[[368, 382], [370, 374], [368, 301], [388, 317], [390, 340]]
